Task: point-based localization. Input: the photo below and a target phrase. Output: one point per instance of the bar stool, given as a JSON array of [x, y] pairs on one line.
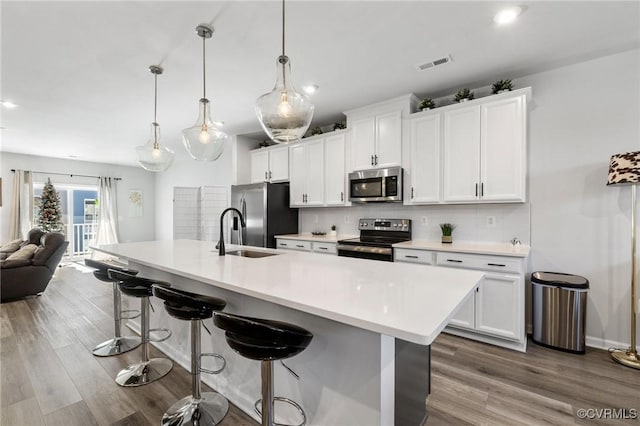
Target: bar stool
[[198, 409], [147, 370], [119, 344], [266, 341]]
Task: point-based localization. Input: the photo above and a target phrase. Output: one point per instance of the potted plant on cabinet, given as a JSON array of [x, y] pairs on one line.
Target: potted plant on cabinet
[[501, 86], [464, 95], [333, 231], [447, 231], [339, 125], [426, 103]]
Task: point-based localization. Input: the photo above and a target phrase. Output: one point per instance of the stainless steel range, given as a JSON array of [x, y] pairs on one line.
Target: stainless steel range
[[376, 239]]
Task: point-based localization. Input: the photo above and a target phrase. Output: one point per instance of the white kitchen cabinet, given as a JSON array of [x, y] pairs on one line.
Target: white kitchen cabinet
[[297, 245], [484, 150], [377, 141], [270, 165], [423, 166], [498, 308], [326, 248], [466, 315], [307, 174], [335, 193]]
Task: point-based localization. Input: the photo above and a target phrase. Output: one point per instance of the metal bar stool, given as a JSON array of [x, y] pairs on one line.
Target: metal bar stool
[[198, 409], [265, 341], [119, 344], [147, 370]]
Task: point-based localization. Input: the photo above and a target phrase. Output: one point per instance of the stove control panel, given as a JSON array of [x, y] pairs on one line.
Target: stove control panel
[[385, 225]]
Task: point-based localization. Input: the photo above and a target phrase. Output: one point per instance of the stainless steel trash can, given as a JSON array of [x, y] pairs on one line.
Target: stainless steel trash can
[[559, 310]]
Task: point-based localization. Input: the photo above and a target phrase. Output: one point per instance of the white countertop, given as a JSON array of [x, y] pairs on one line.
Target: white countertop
[[499, 249], [307, 236], [407, 301]]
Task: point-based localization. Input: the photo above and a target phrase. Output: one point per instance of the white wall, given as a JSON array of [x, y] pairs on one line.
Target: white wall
[[188, 172], [130, 228]]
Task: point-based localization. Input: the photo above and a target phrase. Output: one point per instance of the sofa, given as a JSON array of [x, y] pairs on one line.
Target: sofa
[[28, 269]]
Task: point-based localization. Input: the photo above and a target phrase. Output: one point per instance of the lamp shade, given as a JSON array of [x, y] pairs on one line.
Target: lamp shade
[[624, 168]]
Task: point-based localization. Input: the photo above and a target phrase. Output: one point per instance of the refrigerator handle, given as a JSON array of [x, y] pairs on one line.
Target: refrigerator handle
[[243, 210]]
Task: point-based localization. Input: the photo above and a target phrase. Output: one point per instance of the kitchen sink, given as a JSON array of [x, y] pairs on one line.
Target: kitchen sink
[[250, 253]]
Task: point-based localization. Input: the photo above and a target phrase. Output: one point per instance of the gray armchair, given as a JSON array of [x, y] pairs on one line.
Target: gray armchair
[[29, 276]]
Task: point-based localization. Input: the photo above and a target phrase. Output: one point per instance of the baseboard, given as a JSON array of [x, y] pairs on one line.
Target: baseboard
[[598, 343]]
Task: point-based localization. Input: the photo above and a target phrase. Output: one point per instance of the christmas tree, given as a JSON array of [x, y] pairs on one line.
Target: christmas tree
[[50, 216]]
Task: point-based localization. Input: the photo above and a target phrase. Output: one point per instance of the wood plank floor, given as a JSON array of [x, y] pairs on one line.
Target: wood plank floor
[[49, 376]]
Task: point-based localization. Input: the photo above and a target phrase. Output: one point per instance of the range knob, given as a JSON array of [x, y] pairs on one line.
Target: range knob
[[363, 224]]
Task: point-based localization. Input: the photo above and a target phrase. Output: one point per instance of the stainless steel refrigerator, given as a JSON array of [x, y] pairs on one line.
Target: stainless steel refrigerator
[[266, 211]]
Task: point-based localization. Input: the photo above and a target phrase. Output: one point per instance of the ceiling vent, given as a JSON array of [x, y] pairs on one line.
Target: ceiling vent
[[435, 63]]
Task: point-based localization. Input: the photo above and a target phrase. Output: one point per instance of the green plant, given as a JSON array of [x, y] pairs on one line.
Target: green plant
[[316, 131], [426, 103], [464, 94], [339, 125], [447, 229], [501, 85], [333, 227]]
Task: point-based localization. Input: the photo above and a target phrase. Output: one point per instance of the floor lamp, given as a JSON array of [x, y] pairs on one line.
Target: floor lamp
[[625, 169]]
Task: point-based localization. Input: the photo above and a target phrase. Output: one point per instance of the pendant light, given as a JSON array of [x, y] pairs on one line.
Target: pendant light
[[151, 156], [284, 113], [204, 140]]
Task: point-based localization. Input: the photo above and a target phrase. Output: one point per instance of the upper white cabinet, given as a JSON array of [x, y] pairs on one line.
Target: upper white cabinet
[[335, 193], [423, 165], [270, 165], [484, 150], [306, 187], [376, 133]]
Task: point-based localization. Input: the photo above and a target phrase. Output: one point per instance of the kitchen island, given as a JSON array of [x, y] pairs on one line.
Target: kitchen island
[[373, 322]]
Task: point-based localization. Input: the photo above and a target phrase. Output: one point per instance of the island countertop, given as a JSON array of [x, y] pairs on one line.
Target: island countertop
[[406, 301]]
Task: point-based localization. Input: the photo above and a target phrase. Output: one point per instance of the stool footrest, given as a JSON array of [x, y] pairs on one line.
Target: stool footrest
[[258, 404], [159, 330], [129, 314], [205, 370]]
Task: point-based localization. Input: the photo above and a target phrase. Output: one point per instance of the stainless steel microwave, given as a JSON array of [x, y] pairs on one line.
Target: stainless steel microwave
[[376, 185]]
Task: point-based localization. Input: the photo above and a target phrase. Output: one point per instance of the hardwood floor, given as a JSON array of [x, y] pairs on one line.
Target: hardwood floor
[[49, 376]]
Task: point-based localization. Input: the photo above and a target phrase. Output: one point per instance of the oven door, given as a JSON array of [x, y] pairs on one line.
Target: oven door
[[381, 185], [366, 252]]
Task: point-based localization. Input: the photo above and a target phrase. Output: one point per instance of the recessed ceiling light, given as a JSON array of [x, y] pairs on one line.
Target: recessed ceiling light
[[507, 16], [310, 89], [8, 104]]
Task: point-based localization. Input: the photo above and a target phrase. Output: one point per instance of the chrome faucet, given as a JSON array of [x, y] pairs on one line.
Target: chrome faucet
[[220, 245]]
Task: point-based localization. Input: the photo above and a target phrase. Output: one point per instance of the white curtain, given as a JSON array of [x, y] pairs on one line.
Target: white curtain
[[107, 212], [21, 205]]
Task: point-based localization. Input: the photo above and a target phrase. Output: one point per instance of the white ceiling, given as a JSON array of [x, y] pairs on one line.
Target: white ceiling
[[78, 69]]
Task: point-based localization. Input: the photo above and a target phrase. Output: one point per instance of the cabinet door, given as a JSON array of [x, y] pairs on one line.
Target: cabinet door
[[279, 164], [465, 317], [424, 142], [363, 134], [314, 187], [334, 171], [259, 166], [461, 148], [388, 150], [499, 310], [298, 174], [502, 150]]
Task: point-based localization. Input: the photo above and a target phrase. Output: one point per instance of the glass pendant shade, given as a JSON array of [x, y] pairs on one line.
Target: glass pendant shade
[[204, 140], [153, 157], [284, 113]]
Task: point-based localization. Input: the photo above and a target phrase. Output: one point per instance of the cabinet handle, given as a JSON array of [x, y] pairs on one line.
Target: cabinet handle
[[496, 264], [482, 189], [376, 158], [408, 256], [323, 248], [412, 192], [269, 174], [342, 196], [266, 175], [454, 260], [476, 189], [299, 246], [283, 244], [372, 160]]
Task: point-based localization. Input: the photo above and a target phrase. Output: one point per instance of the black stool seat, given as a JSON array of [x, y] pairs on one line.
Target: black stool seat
[[262, 339], [134, 286], [101, 269], [185, 305]]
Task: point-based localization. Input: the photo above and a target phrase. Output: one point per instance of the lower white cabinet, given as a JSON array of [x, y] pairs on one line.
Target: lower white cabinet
[[494, 313], [326, 248], [285, 244]]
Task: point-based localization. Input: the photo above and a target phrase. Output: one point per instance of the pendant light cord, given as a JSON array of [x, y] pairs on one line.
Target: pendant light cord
[[204, 74], [155, 111]]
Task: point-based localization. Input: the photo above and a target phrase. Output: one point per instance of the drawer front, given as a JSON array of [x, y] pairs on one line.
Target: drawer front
[[477, 261], [293, 245], [328, 248], [415, 256]]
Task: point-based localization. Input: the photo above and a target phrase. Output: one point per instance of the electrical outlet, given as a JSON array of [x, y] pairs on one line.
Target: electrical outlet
[[347, 218], [491, 221], [424, 220]]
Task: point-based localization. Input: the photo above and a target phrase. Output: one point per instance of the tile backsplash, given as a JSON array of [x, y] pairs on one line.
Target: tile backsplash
[[472, 220]]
